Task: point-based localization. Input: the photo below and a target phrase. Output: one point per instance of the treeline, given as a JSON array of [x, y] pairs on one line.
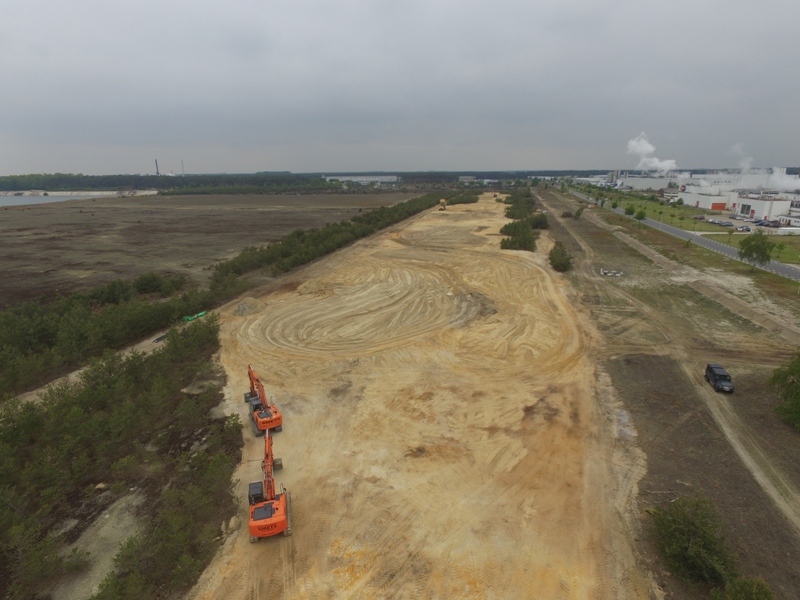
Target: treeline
[[301, 247], [41, 340], [467, 197], [522, 231], [124, 424], [190, 184]]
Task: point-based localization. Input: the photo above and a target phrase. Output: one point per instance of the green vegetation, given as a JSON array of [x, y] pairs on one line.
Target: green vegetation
[[629, 210], [579, 212], [39, 341], [786, 380], [560, 259], [520, 232], [744, 588], [122, 425], [689, 535], [640, 215], [756, 249]]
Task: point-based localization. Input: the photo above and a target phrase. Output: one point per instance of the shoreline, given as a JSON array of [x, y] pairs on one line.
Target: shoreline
[[92, 193]]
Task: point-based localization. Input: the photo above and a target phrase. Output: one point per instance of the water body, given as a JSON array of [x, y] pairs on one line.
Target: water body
[[24, 200]]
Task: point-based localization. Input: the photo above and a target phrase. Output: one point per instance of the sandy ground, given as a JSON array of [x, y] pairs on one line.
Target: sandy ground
[[445, 431]]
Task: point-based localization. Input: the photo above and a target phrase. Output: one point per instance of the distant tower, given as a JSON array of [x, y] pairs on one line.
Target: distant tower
[[182, 169], [157, 173]]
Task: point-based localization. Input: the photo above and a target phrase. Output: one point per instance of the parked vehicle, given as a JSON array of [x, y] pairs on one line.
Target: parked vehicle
[[743, 228], [719, 378], [712, 221], [725, 223]]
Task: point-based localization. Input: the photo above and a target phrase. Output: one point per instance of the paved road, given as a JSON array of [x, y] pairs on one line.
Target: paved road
[[789, 271]]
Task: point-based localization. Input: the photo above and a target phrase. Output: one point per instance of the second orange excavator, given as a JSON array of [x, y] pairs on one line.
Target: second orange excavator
[[270, 513], [264, 415]]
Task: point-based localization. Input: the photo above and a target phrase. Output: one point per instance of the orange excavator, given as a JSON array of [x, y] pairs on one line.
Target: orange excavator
[[264, 415], [270, 513]]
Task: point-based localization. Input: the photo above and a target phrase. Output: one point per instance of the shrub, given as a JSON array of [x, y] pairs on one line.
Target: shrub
[[579, 212], [567, 214], [744, 588], [560, 259], [689, 535], [539, 221]]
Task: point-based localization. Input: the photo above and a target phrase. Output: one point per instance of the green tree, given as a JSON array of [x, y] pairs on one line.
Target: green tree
[[730, 235], [641, 215], [614, 204], [780, 247], [756, 249], [629, 210], [560, 259], [786, 380]]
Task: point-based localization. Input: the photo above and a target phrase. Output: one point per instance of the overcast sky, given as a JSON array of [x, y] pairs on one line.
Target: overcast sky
[[101, 87]]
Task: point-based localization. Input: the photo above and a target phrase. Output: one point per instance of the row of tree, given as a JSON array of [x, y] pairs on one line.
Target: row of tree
[[522, 231], [303, 246]]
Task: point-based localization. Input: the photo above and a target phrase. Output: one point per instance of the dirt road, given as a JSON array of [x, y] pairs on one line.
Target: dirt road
[[444, 432]]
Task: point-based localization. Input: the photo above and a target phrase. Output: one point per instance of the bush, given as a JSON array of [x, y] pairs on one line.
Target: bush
[[567, 214], [579, 212], [689, 535], [539, 221], [560, 259], [744, 588]]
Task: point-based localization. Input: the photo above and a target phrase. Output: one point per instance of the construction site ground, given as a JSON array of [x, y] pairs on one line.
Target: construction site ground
[[461, 421]]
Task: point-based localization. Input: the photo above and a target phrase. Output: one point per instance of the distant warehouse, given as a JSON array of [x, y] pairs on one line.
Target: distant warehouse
[[362, 179]]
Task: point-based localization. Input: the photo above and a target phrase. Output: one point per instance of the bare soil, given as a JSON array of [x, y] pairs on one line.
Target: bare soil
[[659, 332], [59, 247], [443, 435]]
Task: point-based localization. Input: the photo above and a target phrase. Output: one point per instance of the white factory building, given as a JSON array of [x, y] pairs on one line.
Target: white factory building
[[769, 195]]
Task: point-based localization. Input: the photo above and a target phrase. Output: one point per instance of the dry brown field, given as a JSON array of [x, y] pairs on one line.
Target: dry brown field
[[63, 246]]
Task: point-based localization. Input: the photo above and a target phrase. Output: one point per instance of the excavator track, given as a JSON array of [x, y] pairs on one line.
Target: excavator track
[[288, 530]]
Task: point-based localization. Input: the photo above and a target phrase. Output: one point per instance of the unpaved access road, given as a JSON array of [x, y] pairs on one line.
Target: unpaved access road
[[444, 435]]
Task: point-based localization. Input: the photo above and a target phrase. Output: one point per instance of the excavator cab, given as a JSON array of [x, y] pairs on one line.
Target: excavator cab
[[264, 415], [270, 513]]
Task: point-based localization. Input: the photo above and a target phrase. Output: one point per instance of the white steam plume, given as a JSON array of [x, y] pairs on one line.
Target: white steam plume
[[643, 149], [745, 162]]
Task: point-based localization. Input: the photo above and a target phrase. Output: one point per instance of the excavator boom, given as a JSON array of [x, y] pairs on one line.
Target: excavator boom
[[264, 414]]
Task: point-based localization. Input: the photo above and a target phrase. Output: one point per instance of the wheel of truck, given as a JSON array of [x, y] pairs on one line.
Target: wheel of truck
[[278, 429], [277, 464], [247, 396]]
